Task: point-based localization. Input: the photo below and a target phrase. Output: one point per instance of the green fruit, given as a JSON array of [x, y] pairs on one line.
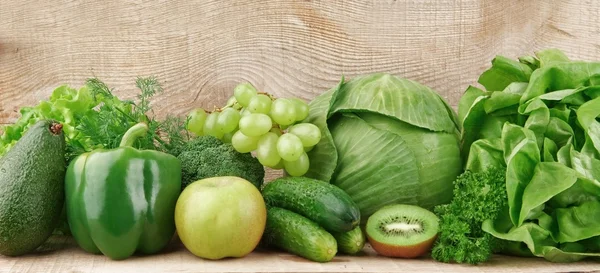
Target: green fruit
[[319, 201], [298, 235], [404, 231], [350, 242], [32, 176], [220, 217]]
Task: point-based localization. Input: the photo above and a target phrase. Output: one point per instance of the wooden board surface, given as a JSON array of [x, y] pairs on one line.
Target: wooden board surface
[[201, 49], [62, 255]]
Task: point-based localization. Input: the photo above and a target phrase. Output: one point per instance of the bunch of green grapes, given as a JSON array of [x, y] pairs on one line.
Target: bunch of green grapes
[[257, 122]]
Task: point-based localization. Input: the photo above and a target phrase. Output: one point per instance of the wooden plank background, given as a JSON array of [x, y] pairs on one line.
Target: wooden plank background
[[201, 49]]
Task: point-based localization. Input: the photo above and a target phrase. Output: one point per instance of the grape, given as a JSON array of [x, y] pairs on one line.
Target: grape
[[255, 125], [243, 93], [277, 131], [260, 104], [308, 133], [197, 118], [279, 165], [290, 147], [232, 102], [266, 150], [244, 112], [243, 143], [301, 109], [308, 149], [298, 167], [211, 127], [228, 120], [283, 112], [209, 123], [227, 137]]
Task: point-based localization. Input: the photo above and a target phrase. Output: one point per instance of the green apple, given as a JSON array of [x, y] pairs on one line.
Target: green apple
[[220, 217]]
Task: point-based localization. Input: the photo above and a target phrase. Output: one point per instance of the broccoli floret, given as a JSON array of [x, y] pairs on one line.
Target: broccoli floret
[[477, 197], [206, 156]]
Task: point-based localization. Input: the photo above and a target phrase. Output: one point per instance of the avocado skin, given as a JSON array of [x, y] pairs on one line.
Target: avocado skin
[[32, 177]]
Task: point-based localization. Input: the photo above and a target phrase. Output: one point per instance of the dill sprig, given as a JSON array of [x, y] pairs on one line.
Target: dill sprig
[[105, 127], [149, 87]]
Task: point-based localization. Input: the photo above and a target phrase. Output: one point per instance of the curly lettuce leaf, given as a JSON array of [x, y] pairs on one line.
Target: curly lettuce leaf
[[66, 105], [551, 56], [485, 153], [504, 71], [540, 242], [521, 155], [550, 147], [93, 117], [559, 76]]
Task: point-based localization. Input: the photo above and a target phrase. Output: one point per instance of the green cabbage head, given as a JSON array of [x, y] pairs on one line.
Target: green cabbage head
[[386, 140]]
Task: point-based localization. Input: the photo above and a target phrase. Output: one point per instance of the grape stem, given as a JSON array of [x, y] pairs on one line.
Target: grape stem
[[267, 94], [216, 109], [275, 125]]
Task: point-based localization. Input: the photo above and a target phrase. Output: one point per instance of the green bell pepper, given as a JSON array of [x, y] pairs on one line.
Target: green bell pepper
[[122, 201]]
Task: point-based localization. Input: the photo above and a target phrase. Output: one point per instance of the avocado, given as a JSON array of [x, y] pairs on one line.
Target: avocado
[[32, 177]]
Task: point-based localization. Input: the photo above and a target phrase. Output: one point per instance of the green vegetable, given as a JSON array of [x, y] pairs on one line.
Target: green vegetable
[[207, 156], [298, 235], [478, 196], [65, 105], [319, 201], [93, 118], [538, 120], [386, 140], [122, 200], [32, 177], [350, 242]]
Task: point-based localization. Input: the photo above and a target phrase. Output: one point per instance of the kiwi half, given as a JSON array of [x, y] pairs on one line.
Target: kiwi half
[[404, 231]]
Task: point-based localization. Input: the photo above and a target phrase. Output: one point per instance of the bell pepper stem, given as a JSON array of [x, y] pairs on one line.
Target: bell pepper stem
[[135, 132]]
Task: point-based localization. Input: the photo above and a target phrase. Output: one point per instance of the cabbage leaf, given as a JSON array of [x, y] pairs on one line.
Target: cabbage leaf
[[386, 140]]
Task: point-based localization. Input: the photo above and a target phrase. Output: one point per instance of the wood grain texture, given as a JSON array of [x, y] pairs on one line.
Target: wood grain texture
[[62, 255], [201, 49]]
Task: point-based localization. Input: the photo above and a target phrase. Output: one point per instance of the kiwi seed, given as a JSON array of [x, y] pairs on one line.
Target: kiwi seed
[[402, 226]]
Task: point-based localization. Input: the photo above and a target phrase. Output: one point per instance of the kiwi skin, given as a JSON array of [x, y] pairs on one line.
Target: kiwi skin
[[409, 252], [398, 250]]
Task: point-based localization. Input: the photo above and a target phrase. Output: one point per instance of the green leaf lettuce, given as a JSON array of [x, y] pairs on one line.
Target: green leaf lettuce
[[538, 117]]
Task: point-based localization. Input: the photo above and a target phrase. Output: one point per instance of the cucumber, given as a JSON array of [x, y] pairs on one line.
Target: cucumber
[[298, 235], [324, 203], [350, 242]]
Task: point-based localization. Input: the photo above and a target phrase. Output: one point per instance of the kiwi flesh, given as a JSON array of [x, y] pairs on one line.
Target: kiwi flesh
[[404, 231]]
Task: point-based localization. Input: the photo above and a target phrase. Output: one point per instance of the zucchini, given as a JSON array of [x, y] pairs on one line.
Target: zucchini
[[350, 242], [321, 202], [298, 235]]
